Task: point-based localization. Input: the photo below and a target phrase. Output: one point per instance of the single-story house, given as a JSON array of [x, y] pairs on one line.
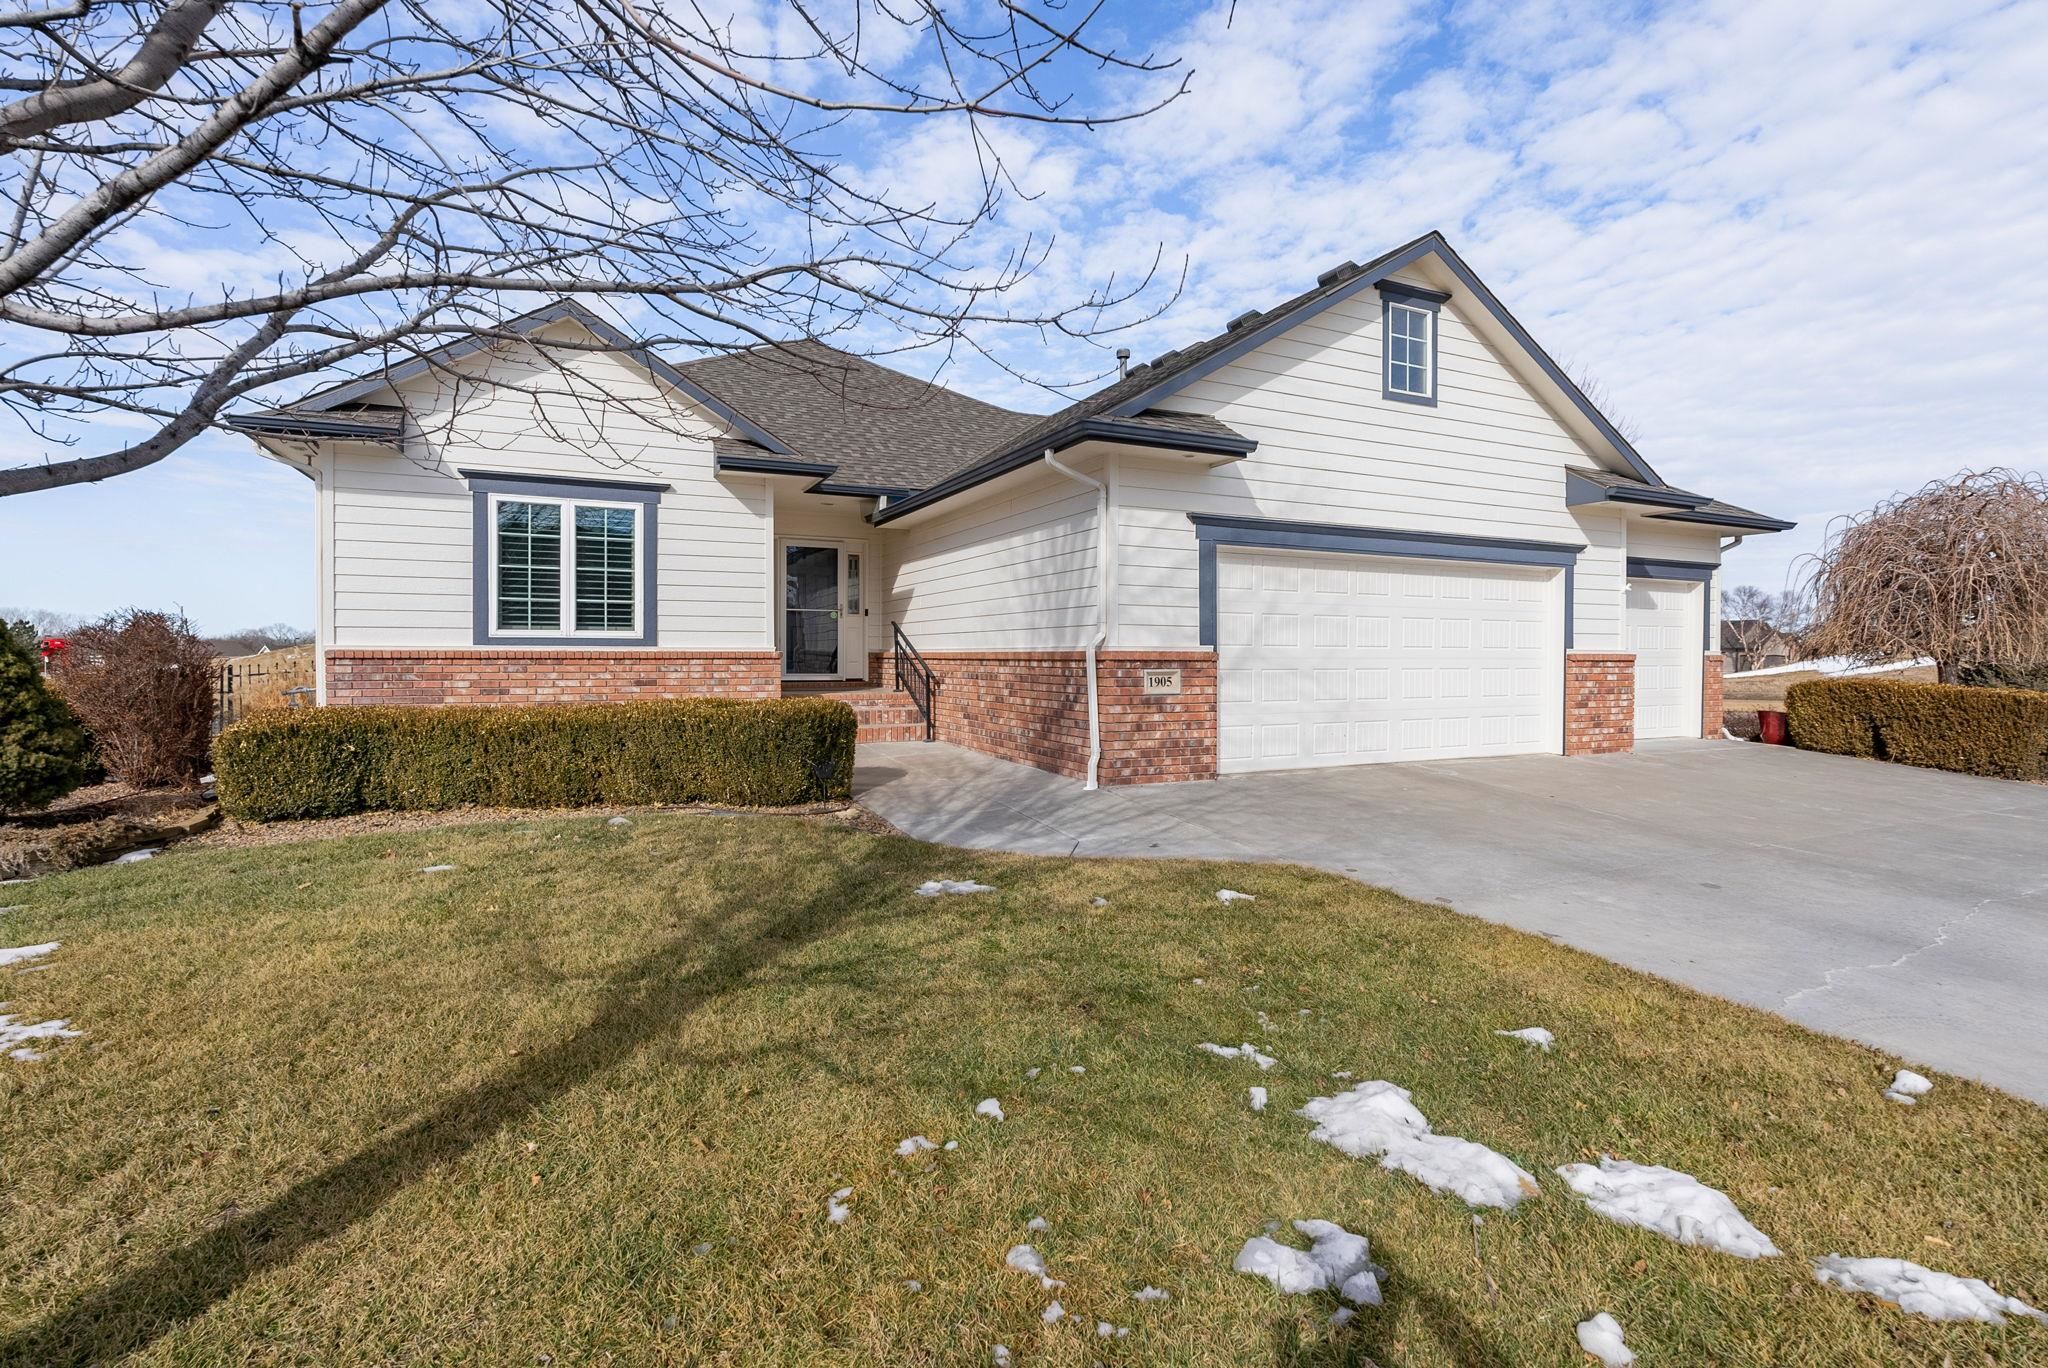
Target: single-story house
[[1374, 522], [1753, 644]]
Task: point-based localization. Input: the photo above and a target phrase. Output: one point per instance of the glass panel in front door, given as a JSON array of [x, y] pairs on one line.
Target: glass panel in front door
[[810, 616]]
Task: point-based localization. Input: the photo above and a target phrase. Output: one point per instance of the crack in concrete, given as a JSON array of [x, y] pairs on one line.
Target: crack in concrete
[[1941, 937]]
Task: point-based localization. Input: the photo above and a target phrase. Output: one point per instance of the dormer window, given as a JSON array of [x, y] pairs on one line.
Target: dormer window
[[1409, 366]]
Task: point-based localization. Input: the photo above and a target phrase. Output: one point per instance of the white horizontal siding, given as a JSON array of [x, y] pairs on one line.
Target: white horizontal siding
[[1599, 581], [1012, 571], [1487, 460], [400, 533], [1654, 539]]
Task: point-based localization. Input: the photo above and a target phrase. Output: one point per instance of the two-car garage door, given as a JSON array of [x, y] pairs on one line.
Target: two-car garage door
[[1348, 659]]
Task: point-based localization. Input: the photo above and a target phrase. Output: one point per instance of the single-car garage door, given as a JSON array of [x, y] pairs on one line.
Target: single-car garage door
[[1348, 660], [1664, 632]]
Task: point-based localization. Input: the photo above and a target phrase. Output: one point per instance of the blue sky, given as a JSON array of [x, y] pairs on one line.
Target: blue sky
[[1799, 248]]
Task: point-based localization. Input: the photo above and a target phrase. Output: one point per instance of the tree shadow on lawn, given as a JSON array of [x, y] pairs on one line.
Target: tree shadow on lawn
[[1371, 1337], [647, 999]]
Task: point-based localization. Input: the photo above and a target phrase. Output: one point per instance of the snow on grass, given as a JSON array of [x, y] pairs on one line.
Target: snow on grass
[[1258, 1098], [618, 821], [1601, 1337], [913, 1146], [1031, 1263], [1336, 1259], [1104, 1330], [932, 888], [438, 869], [15, 1035], [1052, 1313], [1923, 1291], [21, 954], [1675, 1205], [1151, 1294], [1377, 1121], [1907, 1087], [1030, 1074], [1231, 895], [836, 1209], [1099, 902], [1000, 1355], [138, 856], [1534, 1035], [912, 1285], [1836, 667], [1077, 1068], [1246, 1051], [1038, 1223], [990, 1108]]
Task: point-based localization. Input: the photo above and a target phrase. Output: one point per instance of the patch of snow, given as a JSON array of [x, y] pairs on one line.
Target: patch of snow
[[1196, 982], [1104, 1330], [913, 1147], [1336, 1259], [1601, 1337], [700, 1250], [206, 779], [1028, 1261], [23, 953], [14, 1035], [951, 1145], [990, 1108], [932, 888], [619, 821], [138, 856], [1151, 1294], [1675, 1205], [1077, 1069], [1245, 1051], [1001, 1355], [1376, 1120], [1052, 1313], [1231, 895], [1923, 1291], [1341, 1317], [1836, 667], [1030, 1074], [836, 1209], [1534, 1035], [437, 869], [1038, 1223], [912, 1285], [1099, 902], [1258, 1098], [1907, 1087]]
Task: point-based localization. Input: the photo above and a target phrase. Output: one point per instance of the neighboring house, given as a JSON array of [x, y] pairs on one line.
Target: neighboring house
[[1753, 644], [1375, 522]]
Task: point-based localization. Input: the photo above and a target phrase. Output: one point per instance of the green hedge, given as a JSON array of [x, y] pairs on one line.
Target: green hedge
[[325, 762], [2002, 733]]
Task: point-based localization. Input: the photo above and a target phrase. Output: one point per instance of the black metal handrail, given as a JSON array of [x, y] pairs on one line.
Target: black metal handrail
[[915, 677]]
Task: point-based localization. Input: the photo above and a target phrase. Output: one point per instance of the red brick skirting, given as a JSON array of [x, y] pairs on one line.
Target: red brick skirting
[[1712, 723], [526, 676], [1599, 702], [1032, 707]]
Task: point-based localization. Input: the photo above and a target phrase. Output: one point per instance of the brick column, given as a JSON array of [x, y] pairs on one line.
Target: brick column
[[1599, 702], [1712, 722]]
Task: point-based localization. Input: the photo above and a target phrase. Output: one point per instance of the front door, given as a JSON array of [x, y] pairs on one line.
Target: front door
[[811, 611]]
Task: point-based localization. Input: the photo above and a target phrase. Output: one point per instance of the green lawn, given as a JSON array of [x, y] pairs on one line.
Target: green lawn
[[583, 1099]]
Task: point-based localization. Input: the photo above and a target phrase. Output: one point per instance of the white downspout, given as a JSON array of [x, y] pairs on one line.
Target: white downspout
[[1102, 605]]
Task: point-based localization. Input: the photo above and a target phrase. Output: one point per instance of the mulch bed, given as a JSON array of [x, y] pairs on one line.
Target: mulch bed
[[97, 824]]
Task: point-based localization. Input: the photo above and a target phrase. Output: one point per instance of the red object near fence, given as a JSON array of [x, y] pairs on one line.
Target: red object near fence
[[1771, 730]]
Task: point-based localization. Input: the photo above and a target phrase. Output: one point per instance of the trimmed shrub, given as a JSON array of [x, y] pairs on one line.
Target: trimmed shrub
[[2002, 733], [144, 685], [326, 762], [44, 752]]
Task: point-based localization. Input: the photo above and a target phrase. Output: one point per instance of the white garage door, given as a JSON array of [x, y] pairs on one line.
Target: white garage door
[[1348, 660], [1664, 632]]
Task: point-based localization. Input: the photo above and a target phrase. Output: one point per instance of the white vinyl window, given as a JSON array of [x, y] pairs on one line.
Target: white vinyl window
[[564, 567], [1409, 356]]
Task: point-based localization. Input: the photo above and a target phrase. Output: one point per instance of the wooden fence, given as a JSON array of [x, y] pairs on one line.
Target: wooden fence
[[273, 679]]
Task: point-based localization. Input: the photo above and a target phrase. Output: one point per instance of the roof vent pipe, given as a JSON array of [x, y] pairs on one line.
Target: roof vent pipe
[[1123, 362]]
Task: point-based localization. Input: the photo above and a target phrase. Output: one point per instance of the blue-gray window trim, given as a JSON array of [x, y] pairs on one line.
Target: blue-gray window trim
[[1407, 297], [1213, 531], [483, 484], [1699, 572]]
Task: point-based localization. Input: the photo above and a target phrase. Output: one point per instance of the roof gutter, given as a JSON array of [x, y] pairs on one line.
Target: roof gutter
[[1121, 431], [311, 427]]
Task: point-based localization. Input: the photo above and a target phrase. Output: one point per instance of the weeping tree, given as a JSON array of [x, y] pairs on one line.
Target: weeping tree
[[1957, 571], [203, 202]]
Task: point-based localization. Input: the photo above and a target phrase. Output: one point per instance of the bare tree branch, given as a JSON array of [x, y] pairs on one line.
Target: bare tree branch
[[164, 51]]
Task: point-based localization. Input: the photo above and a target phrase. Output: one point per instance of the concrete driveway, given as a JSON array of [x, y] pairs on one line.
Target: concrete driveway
[[1904, 908]]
